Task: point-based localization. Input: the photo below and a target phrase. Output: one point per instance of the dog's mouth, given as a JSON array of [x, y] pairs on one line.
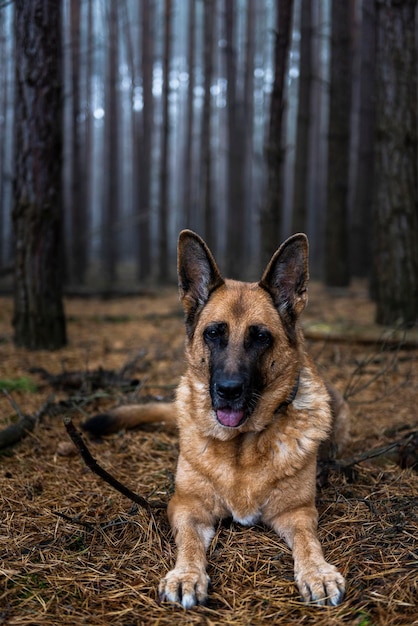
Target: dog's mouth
[[231, 418]]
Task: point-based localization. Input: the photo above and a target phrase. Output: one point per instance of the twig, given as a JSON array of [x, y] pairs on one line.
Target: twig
[[371, 454], [73, 520], [92, 464]]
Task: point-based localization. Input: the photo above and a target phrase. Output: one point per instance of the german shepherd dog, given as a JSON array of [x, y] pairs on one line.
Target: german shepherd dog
[[251, 411]]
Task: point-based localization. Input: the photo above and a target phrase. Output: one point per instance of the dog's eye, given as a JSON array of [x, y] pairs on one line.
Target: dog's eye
[[214, 332], [261, 336]]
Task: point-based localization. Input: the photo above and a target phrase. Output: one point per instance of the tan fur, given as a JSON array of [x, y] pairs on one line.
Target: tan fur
[[264, 469]]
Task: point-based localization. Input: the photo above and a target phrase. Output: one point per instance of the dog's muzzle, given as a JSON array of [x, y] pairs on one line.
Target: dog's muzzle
[[229, 399]]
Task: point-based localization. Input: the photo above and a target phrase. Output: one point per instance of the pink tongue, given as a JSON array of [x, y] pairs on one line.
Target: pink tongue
[[228, 417]]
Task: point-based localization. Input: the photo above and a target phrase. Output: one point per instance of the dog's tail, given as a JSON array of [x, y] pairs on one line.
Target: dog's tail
[[131, 416]]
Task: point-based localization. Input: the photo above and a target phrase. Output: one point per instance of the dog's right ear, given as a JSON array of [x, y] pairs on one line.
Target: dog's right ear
[[198, 276]]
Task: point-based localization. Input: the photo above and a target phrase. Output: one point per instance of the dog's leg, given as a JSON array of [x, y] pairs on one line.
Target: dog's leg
[[318, 581], [193, 530]]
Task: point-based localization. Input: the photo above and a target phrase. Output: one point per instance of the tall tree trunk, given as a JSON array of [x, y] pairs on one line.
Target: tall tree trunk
[[337, 273], [361, 231], [163, 265], [236, 148], [112, 172], [248, 242], [130, 42], [78, 249], [206, 155], [89, 133], [39, 320], [300, 189], [396, 190], [144, 208], [189, 115], [271, 215], [3, 114]]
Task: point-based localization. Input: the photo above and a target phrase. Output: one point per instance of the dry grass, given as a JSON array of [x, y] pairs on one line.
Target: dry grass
[[72, 550]]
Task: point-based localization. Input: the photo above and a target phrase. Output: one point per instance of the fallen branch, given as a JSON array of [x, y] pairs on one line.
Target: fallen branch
[[406, 453], [353, 333], [92, 464]]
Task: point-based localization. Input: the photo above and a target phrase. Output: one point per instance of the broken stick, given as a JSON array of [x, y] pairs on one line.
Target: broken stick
[[92, 464]]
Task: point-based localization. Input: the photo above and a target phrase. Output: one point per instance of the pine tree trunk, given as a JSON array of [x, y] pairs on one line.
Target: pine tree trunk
[[236, 151], [39, 320], [249, 241], [163, 266], [111, 171], [300, 189], [189, 116], [206, 154], [337, 272], [148, 35], [271, 215], [396, 190], [78, 240], [361, 231]]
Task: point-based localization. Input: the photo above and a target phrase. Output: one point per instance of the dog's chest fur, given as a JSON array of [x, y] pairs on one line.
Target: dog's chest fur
[[248, 475]]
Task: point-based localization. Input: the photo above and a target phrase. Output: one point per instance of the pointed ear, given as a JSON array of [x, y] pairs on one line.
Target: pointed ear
[[286, 277], [198, 275]]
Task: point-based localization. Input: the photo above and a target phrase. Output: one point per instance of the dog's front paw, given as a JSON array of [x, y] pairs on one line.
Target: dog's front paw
[[186, 586], [321, 585]]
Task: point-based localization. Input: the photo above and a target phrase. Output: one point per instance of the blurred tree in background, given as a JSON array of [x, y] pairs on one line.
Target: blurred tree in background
[[37, 209]]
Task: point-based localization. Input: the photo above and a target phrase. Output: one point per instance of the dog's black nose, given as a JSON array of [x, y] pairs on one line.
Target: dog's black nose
[[230, 389]]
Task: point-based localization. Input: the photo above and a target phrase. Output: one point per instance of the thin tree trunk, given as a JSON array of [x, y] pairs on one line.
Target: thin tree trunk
[[3, 114], [271, 215], [236, 147], [361, 231], [78, 255], [189, 115], [300, 189], [39, 320], [396, 190], [136, 124], [248, 136], [89, 133], [111, 177], [163, 264], [148, 35], [206, 156], [337, 273]]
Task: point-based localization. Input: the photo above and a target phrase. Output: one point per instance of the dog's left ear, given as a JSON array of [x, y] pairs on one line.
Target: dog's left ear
[[198, 275], [286, 277]]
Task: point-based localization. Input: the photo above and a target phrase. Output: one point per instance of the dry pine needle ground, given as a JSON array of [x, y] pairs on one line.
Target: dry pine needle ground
[[74, 551]]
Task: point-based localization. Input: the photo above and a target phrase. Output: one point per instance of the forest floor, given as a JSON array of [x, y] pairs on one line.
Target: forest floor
[[75, 551]]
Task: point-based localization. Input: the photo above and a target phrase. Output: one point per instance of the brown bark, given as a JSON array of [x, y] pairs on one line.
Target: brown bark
[[396, 190], [361, 231], [163, 261], [336, 232], [189, 116], [111, 171], [248, 241], [39, 320], [300, 189], [148, 35], [78, 240], [236, 226], [271, 215], [206, 201]]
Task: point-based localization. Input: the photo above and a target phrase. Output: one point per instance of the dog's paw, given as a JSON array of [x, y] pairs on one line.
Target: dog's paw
[[322, 585], [186, 586]]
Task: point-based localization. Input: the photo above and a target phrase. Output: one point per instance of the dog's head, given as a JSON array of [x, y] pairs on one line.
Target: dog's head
[[242, 338]]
